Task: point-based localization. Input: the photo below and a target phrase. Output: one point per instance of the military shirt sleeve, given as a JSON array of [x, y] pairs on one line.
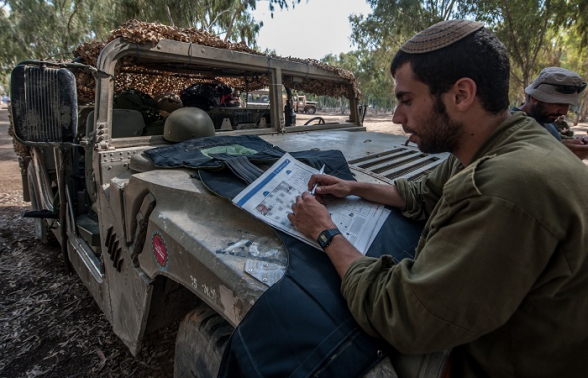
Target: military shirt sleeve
[[422, 196], [481, 256]]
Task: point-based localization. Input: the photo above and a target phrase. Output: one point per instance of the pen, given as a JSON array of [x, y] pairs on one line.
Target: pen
[[322, 170]]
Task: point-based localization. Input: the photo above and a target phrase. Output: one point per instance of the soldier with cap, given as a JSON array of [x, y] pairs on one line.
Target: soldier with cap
[[500, 275], [549, 96]]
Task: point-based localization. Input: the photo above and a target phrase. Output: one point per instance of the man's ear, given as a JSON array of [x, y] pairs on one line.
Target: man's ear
[[464, 93]]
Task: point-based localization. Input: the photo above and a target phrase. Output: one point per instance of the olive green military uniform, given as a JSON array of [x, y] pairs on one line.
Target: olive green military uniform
[[501, 270]]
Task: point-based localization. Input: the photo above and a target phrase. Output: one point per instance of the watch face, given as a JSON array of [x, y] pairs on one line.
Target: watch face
[[324, 238]]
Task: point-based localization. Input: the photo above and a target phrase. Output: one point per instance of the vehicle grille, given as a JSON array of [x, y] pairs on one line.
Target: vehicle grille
[[401, 162], [44, 105]]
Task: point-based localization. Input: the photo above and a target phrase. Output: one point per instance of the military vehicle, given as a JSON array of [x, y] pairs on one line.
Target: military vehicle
[[155, 246], [302, 105]]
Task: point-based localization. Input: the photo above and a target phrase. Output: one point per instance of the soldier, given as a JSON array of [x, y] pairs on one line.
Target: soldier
[[501, 270], [550, 96]]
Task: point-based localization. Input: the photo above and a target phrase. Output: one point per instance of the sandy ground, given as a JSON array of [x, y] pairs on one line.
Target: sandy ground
[[9, 171], [374, 121]]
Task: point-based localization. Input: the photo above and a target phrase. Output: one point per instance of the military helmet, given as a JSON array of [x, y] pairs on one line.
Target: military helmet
[[187, 123]]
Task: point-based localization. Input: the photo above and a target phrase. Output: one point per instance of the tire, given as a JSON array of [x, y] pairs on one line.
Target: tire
[[203, 335], [311, 110], [201, 340], [42, 231]]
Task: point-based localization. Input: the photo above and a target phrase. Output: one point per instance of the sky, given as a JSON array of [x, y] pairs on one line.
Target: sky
[[312, 29]]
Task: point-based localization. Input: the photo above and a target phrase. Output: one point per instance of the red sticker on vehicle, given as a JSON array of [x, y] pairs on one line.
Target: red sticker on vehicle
[[159, 250]]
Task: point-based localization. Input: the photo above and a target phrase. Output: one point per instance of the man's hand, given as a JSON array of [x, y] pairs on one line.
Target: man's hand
[[384, 194], [579, 146], [330, 185], [309, 216]]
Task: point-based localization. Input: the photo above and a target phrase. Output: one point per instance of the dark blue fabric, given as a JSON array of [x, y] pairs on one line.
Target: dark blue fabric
[[189, 154], [301, 326]]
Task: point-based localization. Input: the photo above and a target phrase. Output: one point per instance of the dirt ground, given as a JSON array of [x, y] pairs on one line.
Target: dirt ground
[[49, 323]]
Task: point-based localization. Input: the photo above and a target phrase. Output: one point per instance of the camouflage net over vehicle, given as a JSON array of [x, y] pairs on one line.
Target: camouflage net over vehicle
[[153, 81]]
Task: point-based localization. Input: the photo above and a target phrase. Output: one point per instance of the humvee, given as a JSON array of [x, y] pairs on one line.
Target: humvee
[[302, 105], [153, 246]]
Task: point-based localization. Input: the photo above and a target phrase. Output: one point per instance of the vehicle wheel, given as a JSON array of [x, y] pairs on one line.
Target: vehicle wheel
[[42, 231], [311, 110], [320, 121], [201, 340]]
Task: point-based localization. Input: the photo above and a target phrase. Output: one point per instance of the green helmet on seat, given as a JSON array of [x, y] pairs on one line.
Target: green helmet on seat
[[187, 123]]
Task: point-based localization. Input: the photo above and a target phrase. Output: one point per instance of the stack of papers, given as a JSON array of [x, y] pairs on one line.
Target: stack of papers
[[271, 196]]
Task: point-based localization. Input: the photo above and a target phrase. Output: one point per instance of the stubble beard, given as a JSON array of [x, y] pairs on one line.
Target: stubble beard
[[439, 133], [540, 114]]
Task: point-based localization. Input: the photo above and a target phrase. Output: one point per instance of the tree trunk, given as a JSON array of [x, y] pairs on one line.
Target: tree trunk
[[240, 9]]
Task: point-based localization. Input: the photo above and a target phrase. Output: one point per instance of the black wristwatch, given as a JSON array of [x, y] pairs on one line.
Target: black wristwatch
[[325, 237]]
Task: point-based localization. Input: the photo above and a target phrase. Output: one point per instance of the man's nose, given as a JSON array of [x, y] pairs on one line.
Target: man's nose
[[397, 117]]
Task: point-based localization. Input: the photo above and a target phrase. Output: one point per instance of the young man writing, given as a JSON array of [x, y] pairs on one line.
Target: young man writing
[[501, 270]]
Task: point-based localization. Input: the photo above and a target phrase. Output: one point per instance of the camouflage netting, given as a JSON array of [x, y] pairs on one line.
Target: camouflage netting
[[154, 82]]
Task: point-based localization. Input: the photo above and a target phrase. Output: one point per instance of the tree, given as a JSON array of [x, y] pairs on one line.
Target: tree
[[537, 33], [228, 18], [42, 29], [392, 22], [389, 25], [374, 83], [32, 29]]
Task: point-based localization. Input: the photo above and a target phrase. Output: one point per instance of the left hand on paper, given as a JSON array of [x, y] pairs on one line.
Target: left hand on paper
[[309, 216]]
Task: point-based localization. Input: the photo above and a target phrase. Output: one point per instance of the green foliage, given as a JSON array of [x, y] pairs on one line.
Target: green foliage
[[227, 18], [392, 22], [43, 29], [537, 33], [382, 32], [37, 29], [374, 81]]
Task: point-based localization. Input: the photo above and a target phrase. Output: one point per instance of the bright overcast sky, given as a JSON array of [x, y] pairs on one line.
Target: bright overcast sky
[[311, 30]]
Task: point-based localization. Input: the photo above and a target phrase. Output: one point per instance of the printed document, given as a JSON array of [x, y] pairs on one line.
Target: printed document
[[271, 196]]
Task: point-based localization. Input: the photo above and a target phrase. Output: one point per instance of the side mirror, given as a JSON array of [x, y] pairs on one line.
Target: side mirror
[[44, 104]]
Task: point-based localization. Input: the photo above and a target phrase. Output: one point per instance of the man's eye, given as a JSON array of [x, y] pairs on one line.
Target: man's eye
[[405, 102]]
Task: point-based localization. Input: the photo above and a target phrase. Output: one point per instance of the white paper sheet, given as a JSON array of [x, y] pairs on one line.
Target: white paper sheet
[[271, 196]]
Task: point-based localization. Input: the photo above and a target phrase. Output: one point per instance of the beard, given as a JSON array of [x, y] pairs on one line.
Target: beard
[[438, 132], [542, 115]]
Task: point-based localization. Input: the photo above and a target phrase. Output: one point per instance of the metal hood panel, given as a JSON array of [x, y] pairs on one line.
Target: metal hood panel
[[208, 241]]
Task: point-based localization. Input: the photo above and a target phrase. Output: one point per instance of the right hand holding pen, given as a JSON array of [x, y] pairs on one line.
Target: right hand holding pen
[[330, 185]]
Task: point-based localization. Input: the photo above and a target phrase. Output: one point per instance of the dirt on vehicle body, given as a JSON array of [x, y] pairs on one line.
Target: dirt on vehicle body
[[154, 245]]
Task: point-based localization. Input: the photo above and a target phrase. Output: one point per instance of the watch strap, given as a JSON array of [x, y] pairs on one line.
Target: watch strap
[[326, 236]]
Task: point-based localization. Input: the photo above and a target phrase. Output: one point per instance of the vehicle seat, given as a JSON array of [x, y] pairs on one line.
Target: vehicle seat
[[125, 123]]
